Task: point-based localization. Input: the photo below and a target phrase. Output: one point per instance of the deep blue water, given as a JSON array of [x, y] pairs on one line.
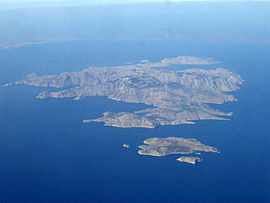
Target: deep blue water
[[48, 154]]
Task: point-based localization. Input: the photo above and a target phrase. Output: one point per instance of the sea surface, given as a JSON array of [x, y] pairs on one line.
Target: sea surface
[[49, 155]]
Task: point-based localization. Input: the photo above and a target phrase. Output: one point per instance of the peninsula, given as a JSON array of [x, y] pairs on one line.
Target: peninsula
[[174, 97]]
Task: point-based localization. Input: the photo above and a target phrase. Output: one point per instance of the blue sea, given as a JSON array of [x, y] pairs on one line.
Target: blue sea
[[49, 155]]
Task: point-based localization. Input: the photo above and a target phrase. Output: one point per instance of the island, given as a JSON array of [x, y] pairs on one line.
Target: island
[[126, 145], [174, 145], [174, 97], [189, 159]]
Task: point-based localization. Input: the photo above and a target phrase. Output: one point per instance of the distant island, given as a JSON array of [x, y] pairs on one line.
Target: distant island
[[174, 97], [126, 145], [174, 145]]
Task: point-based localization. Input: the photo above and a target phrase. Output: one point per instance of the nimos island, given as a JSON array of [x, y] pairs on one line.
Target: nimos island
[[174, 145], [174, 97]]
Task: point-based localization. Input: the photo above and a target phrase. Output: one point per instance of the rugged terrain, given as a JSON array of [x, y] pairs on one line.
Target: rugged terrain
[[174, 97]]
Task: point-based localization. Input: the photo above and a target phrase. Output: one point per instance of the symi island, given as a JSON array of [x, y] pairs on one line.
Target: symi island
[[174, 97]]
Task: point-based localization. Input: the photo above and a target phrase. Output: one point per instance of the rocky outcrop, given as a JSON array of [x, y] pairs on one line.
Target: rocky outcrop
[[189, 159]]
